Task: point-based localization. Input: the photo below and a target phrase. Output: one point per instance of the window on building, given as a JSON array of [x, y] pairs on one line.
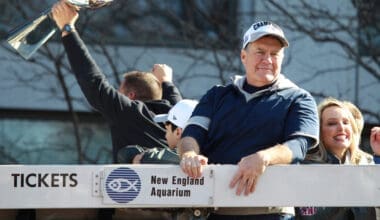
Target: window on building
[[369, 27], [169, 23], [48, 138]]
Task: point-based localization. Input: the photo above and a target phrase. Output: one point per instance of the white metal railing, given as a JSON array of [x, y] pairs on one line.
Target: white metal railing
[[101, 186]]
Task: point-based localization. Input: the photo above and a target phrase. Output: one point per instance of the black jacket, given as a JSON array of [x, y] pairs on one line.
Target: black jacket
[[131, 121]]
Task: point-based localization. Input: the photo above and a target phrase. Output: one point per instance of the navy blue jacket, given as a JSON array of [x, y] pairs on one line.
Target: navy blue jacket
[[238, 123]]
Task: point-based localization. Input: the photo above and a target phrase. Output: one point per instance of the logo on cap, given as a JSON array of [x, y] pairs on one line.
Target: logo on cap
[[257, 25], [264, 28]]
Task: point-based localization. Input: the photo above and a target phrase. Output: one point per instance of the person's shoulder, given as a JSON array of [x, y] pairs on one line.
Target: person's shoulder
[[297, 95], [220, 89], [299, 91], [158, 106], [289, 88]]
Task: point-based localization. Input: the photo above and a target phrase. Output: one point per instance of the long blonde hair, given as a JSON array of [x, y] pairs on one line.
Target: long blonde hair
[[358, 116], [356, 124]]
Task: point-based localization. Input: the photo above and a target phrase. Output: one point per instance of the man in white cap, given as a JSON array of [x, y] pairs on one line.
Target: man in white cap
[[258, 120], [175, 121]]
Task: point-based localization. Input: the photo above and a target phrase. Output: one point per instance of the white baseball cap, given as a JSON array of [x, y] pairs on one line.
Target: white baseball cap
[[264, 28], [179, 114]]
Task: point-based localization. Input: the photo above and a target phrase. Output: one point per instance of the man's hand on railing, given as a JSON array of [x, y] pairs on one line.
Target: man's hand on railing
[[250, 169], [192, 163]]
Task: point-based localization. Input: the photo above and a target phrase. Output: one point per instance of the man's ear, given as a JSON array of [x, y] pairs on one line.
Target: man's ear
[[178, 131], [131, 95], [243, 55]]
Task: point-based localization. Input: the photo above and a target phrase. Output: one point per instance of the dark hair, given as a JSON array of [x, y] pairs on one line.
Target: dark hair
[[173, 125], [145, 85]]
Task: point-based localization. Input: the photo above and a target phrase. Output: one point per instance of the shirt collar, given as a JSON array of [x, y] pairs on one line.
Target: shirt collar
[[280, 84]]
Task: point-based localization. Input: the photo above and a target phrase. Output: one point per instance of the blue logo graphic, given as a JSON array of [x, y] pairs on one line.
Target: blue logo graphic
[[123, 185]]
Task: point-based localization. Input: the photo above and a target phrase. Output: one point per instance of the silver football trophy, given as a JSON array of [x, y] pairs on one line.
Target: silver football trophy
[[27, 38]]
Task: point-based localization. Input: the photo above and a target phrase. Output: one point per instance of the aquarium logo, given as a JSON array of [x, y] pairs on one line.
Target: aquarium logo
[[123, 185]]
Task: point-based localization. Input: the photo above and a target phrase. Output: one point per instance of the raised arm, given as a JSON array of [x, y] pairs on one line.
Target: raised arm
[[98, 91], [64, 14], [164, 74]]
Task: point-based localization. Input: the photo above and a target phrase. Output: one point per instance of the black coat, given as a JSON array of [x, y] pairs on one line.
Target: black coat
[[131, 121]]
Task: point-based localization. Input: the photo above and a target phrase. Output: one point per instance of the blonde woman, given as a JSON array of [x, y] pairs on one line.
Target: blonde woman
[[341, 124]]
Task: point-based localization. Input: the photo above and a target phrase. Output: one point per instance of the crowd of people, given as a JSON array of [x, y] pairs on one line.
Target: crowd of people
[[258, 120]]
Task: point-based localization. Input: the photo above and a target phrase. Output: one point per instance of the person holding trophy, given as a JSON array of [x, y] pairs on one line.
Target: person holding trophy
[[129, 110], [42, 29]]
